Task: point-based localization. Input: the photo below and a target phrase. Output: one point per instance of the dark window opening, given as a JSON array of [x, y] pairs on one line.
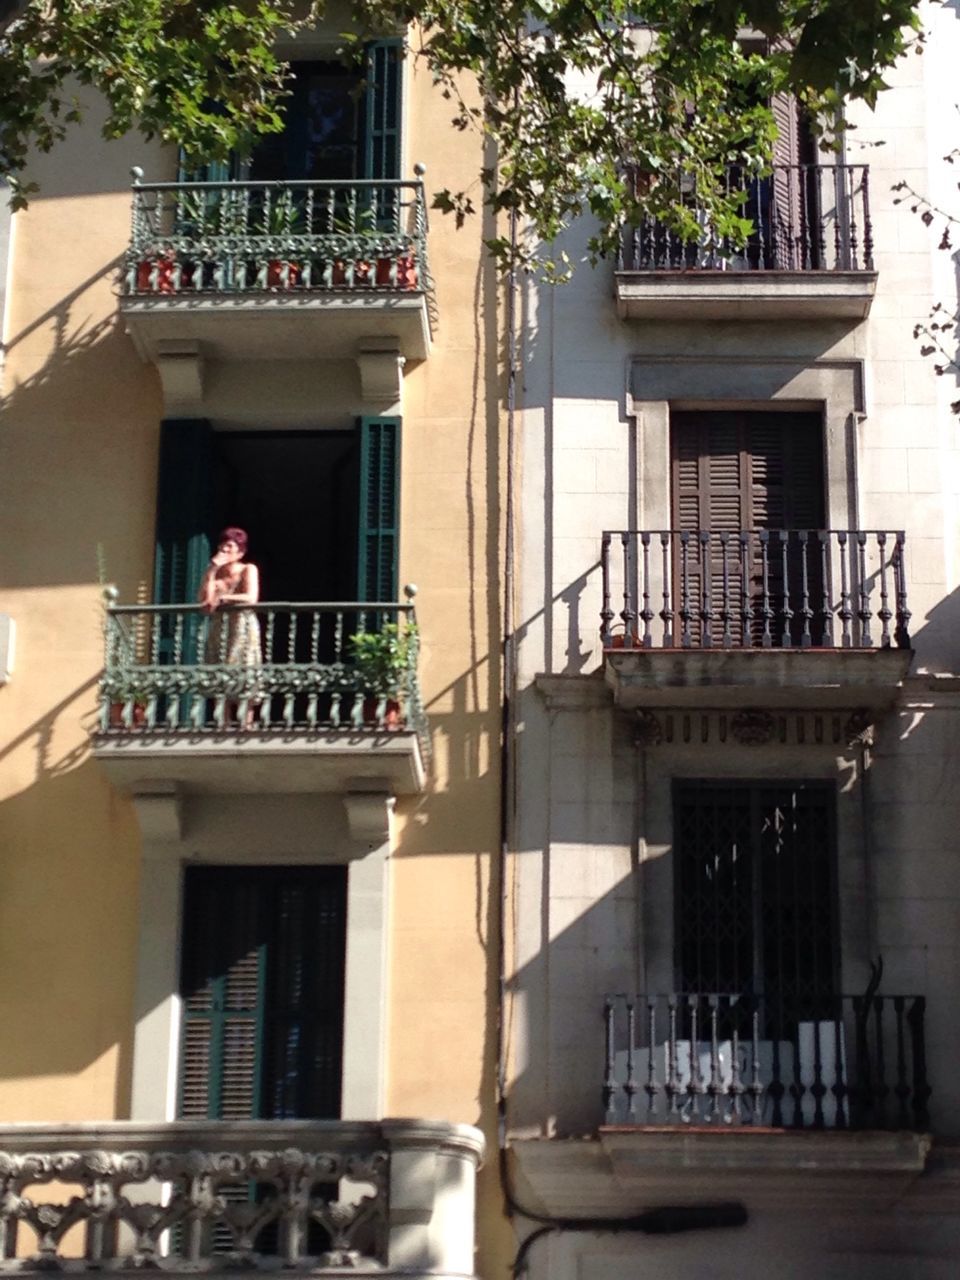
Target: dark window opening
[[755, 895], [262, 976]]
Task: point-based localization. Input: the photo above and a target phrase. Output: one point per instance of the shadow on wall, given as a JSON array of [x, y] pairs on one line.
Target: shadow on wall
[[598, 919], [79, 436], [935, 636], [69, 866]]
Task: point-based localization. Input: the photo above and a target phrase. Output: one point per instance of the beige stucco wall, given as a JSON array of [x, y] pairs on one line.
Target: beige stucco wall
[[77, 491]]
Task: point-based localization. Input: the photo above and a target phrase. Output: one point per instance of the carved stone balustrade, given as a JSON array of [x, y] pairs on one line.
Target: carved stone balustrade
[[306, 1195]]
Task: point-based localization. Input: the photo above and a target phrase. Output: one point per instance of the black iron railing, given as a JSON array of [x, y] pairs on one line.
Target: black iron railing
[[838, 1062], [754, 588], [806, 217], [190, 238], [289, 668]]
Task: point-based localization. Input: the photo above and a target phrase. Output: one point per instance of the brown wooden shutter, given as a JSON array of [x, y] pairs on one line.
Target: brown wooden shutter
[[751, 471], [784, 236]]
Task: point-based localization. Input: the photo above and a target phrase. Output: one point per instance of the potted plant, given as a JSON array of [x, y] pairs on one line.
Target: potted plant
[[163, 262], [283, 222], [357, 226], [128, 689], [382, 660]]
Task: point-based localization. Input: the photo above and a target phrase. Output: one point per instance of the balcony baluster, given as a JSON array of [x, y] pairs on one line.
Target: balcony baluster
[[701, 1054], [759, 588]]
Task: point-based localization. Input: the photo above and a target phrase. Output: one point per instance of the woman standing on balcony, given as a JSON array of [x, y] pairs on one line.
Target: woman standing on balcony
[[234, 635]]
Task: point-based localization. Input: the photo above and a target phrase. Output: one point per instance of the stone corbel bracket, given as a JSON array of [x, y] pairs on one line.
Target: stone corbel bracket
[[159, 809], [181, 369], [381, 371], [369, 816]]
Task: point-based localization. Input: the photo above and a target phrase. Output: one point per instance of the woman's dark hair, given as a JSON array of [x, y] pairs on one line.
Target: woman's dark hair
[[233, 534]]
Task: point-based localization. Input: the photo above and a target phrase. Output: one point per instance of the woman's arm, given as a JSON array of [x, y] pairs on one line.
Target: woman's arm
[[249, 592], [208, 595]]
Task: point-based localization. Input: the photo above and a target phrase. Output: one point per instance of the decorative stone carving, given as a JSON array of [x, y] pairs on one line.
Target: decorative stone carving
[[859, 729], [752, 727], [647, 730], [295, 1187]]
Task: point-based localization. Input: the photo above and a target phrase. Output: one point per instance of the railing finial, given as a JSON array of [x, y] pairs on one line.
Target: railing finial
[[110, 595], [419, 169], [410, 590], [136, 173]]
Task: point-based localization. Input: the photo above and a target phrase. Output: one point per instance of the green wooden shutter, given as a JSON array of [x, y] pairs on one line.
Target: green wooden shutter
[[379, 524], [184, 506], [382, 110], [223, 988], [212, 171]]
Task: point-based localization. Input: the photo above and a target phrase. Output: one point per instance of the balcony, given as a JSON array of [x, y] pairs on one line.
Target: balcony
[[780, 617], [822, 1105], [810, 255], [281, 698], [277, 270], [301, 1196], [839, 1062]]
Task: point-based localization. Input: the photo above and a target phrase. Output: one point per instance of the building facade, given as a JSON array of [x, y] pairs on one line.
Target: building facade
[[734, 884], [246, 856]]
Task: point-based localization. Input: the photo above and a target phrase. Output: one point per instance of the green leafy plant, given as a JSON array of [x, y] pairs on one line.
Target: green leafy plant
[[383, 658]]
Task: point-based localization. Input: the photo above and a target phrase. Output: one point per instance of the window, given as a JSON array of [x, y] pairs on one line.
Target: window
[[262, 977], [755, 895], [335, 491], [341, 123]]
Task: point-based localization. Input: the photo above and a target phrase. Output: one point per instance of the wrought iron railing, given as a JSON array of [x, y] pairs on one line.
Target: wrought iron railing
[[838, 1062], [293, 1196], [806, 217], [192, 238], [754, 588], [272, 666]]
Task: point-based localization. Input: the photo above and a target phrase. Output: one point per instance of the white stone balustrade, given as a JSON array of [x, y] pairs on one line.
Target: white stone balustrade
[[306, 1195]]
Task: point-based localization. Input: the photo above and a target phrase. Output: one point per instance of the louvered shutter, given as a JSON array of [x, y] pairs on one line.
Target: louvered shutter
[[784, 238], [223, 990], [748, 471], [379, 509], [184, 502], [710, 496], [302, 1067], [382, 110]]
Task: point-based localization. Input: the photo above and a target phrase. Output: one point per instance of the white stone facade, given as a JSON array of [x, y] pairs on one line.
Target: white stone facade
[[593, 875]]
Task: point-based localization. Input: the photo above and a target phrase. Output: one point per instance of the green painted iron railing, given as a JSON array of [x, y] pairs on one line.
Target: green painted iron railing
[[305, 668], [239, 237]]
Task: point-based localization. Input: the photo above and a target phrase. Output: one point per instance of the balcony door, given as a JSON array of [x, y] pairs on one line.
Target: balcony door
[[321, 508], [262, 980], [341, 122], [751, 473]]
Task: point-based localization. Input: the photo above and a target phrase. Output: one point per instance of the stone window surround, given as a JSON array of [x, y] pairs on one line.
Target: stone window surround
[[658, 384], [737, 765], [157, 1005]]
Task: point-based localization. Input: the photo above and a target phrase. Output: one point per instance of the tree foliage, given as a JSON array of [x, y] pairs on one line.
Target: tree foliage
[[200, 73], [650, 116], [598, 106]]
